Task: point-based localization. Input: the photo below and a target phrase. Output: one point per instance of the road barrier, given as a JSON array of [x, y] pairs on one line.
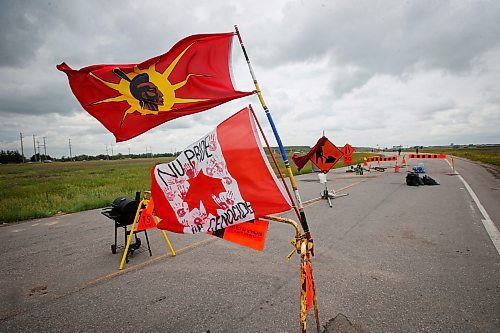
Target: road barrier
[[427, 156], [382, 159]]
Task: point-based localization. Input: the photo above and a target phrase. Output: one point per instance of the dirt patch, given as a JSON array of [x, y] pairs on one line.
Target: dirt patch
[[342, 324], [41, 290], [493, 169]]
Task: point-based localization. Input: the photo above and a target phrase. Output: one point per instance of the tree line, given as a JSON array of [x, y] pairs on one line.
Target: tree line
[[13, 156]]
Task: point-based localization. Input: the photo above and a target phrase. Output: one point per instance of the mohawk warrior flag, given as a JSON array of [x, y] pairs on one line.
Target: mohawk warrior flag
[[131, 99], [221, 180]]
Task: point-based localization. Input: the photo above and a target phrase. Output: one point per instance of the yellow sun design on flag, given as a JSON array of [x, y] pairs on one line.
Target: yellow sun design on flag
[[147, 91]]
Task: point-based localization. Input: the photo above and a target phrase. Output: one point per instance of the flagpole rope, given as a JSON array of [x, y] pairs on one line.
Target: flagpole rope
[[303, 219], [274, 160]]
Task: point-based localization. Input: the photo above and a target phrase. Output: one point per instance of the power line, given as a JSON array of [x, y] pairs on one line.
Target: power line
[[40, 155]]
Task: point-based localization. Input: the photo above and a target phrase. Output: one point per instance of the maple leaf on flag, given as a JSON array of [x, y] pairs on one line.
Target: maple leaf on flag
[[201, 189], [226, 172]]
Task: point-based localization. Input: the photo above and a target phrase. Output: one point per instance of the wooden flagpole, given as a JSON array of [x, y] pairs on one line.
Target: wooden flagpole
[[302, 247], [303, 243], [302, 217]]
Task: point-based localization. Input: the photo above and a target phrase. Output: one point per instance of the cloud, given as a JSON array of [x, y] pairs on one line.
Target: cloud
[[390, 37], [367, 73]]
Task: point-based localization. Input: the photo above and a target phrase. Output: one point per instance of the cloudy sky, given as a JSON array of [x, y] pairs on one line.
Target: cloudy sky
[[365, 72]]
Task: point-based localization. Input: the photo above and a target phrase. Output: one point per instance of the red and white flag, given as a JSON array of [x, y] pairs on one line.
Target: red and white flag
[[221, 180]]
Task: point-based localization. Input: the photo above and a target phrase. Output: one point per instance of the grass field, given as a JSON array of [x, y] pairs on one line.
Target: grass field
[[35, 190], [489, 155], [29, 191]]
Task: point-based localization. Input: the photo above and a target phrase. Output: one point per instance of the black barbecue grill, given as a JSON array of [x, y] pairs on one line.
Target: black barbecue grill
[[122, 212]]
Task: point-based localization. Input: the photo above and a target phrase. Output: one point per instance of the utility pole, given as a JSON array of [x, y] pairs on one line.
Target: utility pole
[[22, 148], [38, 143], [112, 154], [107, 153], [34, 148], [149, 151], [70, 156], [45, 147]]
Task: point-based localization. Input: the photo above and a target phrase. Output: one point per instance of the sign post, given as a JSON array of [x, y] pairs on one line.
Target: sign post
[[325, 156]]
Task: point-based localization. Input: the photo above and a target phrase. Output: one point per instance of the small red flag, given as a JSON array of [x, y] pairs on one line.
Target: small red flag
[[146, 219], [221, 180], [250, 234], [131, 99], [309, 286]]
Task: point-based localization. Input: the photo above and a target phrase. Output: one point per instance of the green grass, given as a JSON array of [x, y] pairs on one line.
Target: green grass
[[29, 191], [489, 155]]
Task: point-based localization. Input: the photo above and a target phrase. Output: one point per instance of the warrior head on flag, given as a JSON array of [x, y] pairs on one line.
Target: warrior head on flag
[[221, 180], [130, 99]]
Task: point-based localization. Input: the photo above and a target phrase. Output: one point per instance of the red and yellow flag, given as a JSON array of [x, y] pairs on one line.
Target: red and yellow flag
[[131, 99]]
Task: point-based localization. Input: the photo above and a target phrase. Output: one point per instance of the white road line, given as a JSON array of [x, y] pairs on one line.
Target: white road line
[[488, 224]]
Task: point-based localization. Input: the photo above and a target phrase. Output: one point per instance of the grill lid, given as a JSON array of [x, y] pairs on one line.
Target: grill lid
[[125, 206]]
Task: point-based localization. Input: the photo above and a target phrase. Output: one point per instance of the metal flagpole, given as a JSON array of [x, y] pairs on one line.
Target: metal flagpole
[[303, 220]]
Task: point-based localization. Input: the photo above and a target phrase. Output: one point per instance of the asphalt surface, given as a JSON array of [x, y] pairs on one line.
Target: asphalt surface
[[388, 257]]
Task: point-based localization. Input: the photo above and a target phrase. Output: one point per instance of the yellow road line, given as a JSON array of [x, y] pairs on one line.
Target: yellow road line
[[147, 262], [313, 201], [186, 248], [348, 186]]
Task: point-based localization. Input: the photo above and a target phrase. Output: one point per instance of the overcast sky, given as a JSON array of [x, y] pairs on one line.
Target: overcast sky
[[364, 72]]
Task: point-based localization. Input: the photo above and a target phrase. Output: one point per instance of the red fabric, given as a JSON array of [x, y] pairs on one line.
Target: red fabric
[[300, 161], [248, 164], [309, 286], [146, 219], [227, 171], [204, 66]]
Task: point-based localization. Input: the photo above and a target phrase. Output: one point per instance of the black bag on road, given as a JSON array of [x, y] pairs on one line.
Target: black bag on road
[[429, 181], [412, 179]]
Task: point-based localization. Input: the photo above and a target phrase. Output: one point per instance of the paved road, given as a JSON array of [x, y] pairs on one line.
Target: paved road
[[390, 257]]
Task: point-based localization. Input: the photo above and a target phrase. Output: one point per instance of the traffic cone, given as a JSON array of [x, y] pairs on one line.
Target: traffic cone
[[396, 167], [365, 163], [403, 163]]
